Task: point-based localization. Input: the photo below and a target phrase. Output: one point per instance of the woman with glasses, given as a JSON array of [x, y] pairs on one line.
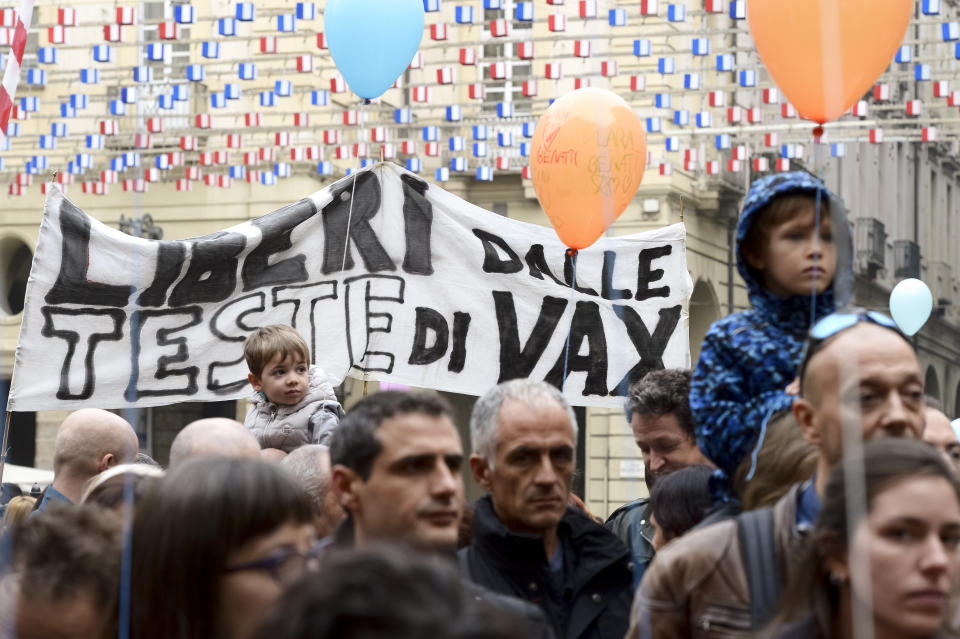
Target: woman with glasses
[[893, 562], [214, 544]]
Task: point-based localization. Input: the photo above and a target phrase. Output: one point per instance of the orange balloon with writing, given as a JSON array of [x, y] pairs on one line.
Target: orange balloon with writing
[[587, 159], [825, 54]]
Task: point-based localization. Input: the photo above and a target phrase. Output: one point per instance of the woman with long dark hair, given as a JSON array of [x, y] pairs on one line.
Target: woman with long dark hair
[[892, 561], [214, 544]]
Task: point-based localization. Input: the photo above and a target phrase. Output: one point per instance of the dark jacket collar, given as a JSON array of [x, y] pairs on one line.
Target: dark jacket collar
[[589, 547]]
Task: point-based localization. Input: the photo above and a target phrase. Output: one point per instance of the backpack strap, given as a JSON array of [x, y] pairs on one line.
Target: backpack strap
[[758, 548], [464, 561]]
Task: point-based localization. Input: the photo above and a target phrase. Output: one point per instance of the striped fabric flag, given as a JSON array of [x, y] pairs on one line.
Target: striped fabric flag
[[11, 77]]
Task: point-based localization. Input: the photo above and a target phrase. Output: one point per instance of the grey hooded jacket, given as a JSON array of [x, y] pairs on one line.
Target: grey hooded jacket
[[311, 421]]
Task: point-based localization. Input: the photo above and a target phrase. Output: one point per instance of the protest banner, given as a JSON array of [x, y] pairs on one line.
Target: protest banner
[[387, 277]]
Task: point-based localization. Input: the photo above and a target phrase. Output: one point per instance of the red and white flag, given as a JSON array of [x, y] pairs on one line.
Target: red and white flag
[[11, 77]]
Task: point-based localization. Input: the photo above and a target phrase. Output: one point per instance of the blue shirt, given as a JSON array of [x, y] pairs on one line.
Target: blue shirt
[[808, 506], [52, 494]]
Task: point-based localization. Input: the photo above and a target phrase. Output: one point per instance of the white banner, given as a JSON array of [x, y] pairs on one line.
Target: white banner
[[432, 291]]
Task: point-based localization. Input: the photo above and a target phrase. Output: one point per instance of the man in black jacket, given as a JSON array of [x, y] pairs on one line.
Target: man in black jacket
[[396, 472], [526, 541]]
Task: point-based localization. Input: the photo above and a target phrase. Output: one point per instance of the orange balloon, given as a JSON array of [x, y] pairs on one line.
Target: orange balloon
[[825, 54], [588, 156]]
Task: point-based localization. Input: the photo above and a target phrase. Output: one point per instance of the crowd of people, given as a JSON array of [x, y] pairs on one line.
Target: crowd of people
[[800, 485]]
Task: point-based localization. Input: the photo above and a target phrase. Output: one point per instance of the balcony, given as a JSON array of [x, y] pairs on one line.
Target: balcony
[[870, 242]]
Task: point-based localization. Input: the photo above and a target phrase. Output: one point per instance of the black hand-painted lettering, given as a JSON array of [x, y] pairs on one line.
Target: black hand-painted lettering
[[418, 224], [364, 194], [360, 293], [649, 347], [514, 361], [167, 322], [229, 325], [492, 262], [275, 229], [212, 274], [537, 265], [607, 291], [97, 325], [170, 256], [646, 276], [429, 321], [72, 285], [568, 276], [586, 324], [458, 354], [303, 317]]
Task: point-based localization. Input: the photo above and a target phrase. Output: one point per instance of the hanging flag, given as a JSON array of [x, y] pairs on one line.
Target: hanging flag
[[125, 15], [305, 63], [184, 14], [168, 30], [8, 89], [210, 50], [306, 11]]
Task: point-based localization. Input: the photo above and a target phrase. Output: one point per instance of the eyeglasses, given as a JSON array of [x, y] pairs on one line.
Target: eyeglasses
[[835, 323], [285, 566]]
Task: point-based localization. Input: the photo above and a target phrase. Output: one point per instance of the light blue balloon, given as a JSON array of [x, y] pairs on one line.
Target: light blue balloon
[[910, 305], [373, 41]]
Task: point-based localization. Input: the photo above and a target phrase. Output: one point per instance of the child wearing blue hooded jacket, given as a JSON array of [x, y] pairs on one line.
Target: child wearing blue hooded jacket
[[797, 266]]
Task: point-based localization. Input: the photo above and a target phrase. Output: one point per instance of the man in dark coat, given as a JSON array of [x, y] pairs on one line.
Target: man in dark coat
[[396, 472], [526, 542]]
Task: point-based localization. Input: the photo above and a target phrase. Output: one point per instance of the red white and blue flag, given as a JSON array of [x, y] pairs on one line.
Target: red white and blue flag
[[8, 90]]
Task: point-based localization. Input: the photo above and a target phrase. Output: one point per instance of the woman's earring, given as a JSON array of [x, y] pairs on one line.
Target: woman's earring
[[837, 580]]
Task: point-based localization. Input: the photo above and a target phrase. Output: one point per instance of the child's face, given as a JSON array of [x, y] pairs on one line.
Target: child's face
[[283, 381], [796, 260]]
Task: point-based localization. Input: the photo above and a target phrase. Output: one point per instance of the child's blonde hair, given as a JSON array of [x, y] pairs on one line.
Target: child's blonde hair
[[262, 345], [17, 512]]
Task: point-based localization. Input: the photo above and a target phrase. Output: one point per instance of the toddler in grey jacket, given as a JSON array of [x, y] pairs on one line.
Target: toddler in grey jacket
[[294, 403]]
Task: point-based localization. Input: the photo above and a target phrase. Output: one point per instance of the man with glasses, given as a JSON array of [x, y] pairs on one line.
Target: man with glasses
[[724, 580]]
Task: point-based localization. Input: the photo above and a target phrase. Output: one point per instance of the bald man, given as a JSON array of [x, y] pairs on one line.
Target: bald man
[[863, 372], [89, 442], [940, 433], [213, 437]]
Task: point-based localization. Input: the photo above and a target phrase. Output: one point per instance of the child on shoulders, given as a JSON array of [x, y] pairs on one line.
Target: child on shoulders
[[294, 403], [792, 260]]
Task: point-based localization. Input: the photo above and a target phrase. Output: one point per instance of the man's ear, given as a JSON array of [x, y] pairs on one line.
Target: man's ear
[[805, 414], [481, 471], [108, 460], [345, 483], [255, 382]]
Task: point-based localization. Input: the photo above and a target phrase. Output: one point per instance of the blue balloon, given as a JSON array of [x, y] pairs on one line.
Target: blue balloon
[[910, 305], [373, 41]]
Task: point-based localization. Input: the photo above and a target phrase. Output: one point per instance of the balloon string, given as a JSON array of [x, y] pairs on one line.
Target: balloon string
[[816, 228], [353, 190], [346, 240], [573, 285]]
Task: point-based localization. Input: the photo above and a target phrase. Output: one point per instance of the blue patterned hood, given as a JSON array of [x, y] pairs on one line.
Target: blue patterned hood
[[795, 310]]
